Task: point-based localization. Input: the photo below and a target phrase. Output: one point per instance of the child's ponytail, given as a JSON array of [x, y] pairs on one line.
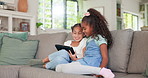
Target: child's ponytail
[[98, 23]]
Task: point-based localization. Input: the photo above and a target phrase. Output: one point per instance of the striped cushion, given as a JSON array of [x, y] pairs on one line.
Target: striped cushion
[[9, 71]]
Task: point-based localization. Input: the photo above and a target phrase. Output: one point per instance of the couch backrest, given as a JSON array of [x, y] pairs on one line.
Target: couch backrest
[[139, 52], [69, 36], [47, 43], [120, 50]]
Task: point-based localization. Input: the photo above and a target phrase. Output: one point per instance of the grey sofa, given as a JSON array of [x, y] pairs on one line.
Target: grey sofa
[[127, 57]]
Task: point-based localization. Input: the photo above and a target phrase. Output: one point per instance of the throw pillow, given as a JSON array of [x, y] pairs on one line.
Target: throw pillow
[[139, 52], [146, 72], [120, 50], [21, 35], [16, 51]]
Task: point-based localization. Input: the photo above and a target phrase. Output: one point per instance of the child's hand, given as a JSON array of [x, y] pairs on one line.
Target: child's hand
[[72, 56]]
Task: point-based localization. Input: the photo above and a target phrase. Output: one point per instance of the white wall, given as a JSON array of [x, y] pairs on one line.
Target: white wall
[[109, 10], [144, 1], [131, 5], [32, 6]]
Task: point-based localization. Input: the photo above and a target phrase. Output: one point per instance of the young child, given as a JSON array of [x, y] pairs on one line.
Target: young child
[[96, 56], [62, 57]]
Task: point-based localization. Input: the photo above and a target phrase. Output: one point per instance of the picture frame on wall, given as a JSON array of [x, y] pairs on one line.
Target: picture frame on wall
[[24, 27]]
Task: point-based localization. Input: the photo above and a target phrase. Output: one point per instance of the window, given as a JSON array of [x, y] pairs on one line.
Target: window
[[130, 21], [58, 14]]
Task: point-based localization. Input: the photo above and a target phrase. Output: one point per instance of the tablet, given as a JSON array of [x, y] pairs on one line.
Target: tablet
[[67, 48]]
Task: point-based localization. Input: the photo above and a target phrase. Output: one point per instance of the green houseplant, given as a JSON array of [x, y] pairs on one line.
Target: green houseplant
[[39, 24]]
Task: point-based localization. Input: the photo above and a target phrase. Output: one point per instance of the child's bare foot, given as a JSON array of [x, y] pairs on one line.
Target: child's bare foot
[[45, 60], [106, 73], [44, 66]]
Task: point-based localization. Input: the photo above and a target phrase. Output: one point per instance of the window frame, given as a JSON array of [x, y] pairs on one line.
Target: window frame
[[51, 12], [132, 21]]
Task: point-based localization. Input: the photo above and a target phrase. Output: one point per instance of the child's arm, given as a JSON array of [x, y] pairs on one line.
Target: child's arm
[[104, 53], [84, 49]]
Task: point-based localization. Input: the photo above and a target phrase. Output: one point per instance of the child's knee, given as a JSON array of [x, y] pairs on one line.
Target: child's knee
[[61, 68], [58, 68], [64, 53], [61, 60]]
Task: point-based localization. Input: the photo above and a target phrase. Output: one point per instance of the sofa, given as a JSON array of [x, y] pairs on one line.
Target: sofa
[[128, 56]]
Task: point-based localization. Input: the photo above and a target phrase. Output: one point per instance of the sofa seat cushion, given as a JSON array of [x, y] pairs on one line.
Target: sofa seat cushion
[[119, 75], [120, 50], [133, 76], [9, 71], [47, 43], [139, 52], [32, 72], [126, 75]]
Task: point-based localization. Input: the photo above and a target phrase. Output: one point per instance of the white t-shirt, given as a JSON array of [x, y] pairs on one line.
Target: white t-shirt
[[79, 48]]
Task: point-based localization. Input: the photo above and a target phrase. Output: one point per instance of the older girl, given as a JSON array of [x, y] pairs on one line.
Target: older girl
[[96, 55]]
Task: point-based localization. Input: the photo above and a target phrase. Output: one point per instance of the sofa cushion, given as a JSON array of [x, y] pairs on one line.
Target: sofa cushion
[[47, 43], [139, 52], [119, 75], [9, 71], [133, 76], [21, 35], [69, 37], [120, 50], [31, 72], [17, 52], [146, 71]]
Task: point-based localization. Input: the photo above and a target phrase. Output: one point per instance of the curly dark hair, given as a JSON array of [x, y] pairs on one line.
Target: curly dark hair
[[99, 25]]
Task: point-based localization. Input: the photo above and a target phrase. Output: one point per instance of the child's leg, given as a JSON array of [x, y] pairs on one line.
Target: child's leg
[[58, 60], [54, 55], [77, 68]]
